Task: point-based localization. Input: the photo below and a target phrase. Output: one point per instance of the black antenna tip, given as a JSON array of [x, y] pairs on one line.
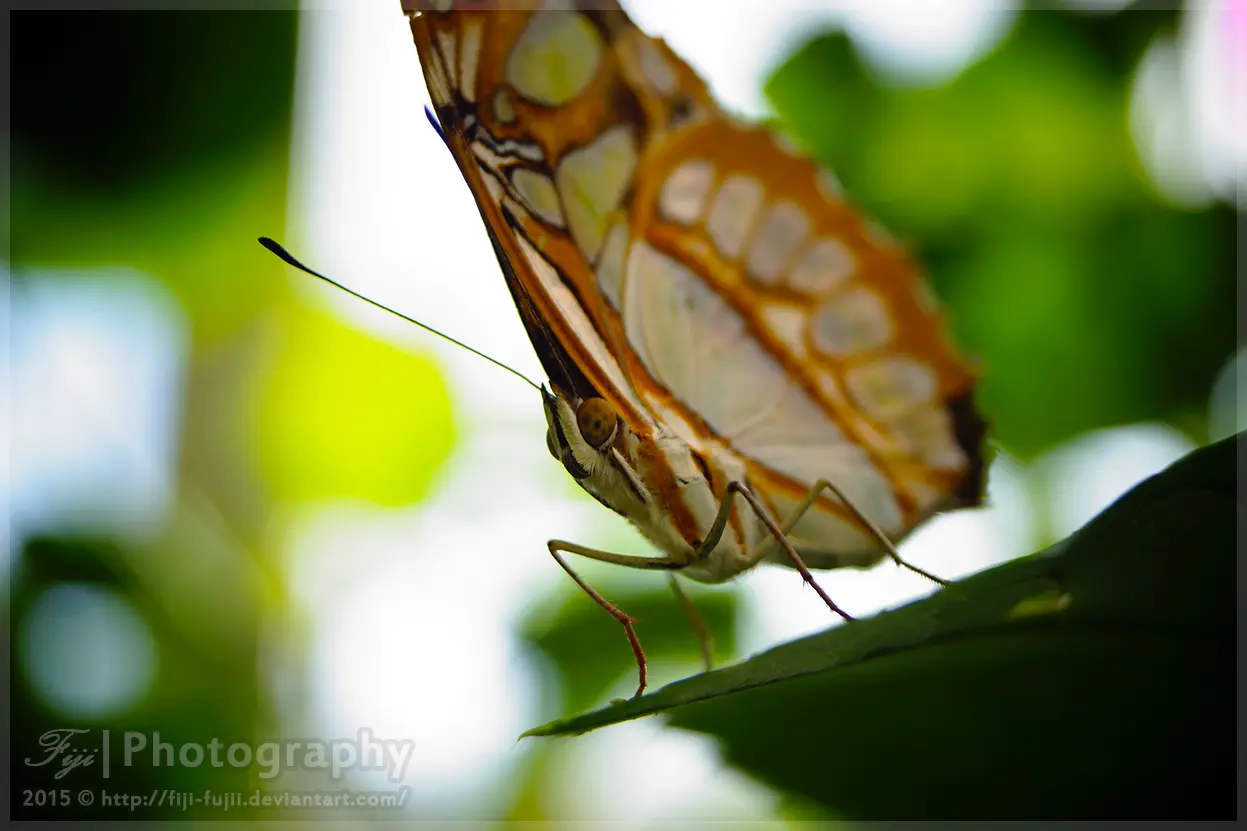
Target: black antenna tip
[[275, 246], [284, 255]]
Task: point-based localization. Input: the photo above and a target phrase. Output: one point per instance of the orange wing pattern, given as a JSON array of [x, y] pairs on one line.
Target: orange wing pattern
[[550, 146], [833, 300], [698, 274]]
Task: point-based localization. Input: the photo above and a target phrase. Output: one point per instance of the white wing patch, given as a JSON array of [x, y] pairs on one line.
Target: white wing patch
[[610, 270], [538, 194], [928, 431], [850, 322], [889, 387], [783, 227], [683, 196], [571, 311], [656, 68], [469, 58], [697, 346], [446, 45], [787, 323], [824, 265], [671, 420], [733, 212], [555, 58], [592, 180], [436, 80], [504, 107]]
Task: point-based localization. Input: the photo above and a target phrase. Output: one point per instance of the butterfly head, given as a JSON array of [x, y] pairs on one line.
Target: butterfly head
[[581, 434], [595, 446], [598, 422]]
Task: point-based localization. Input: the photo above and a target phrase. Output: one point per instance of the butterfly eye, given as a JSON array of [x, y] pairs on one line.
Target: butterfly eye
[[598, 422]]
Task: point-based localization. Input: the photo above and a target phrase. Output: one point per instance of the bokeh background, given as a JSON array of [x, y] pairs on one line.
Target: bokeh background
[[246, 506]]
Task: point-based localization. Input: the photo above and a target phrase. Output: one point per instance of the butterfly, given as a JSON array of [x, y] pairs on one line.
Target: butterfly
[[740, 363]]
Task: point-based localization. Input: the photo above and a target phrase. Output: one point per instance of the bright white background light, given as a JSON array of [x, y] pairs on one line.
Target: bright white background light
[[95, 386], [1087, 474]]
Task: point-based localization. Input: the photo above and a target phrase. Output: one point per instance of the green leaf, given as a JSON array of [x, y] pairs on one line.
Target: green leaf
[[1096, 678]]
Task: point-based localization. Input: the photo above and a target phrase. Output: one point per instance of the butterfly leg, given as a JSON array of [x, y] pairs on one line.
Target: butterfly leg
[[614, 611], [631, 561], [705, 638], [875, 530], [780, 535]]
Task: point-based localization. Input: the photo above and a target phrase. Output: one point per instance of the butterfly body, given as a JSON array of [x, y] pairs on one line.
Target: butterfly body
[[663, 487], [722, 330]]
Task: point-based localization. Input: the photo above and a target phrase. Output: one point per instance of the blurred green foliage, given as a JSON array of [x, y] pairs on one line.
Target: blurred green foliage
[[160, 141], [1087, 301], [207, 682], [326, 407], [586, 645]]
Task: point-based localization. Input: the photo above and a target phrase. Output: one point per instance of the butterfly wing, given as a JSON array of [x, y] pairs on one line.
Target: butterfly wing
[[779, 320], [539, 112], [698, 274]]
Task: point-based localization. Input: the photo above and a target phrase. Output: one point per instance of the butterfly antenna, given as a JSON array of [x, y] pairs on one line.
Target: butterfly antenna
[[520, 293], [289, 259]]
